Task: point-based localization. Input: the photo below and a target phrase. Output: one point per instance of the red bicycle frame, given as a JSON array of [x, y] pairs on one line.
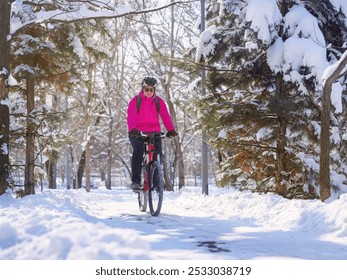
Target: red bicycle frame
[[149, 157]]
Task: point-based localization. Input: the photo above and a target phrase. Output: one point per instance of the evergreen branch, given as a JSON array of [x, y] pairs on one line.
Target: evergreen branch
[[216, 69], [237, 144]]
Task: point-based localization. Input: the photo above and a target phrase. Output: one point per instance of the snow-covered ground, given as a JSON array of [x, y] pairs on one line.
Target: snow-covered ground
[[107, 225]]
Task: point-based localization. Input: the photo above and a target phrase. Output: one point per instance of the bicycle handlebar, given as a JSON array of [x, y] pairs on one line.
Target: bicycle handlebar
[[153, 134]]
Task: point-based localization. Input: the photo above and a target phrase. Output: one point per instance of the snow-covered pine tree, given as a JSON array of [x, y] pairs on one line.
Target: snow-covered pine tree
[[43, 64], [266, 61]]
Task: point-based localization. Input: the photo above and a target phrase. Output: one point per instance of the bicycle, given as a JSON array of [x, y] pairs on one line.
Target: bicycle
[[153, 183]]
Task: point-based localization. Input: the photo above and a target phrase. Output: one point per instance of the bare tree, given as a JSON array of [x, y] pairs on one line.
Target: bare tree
[[29, 16], [162, 46]]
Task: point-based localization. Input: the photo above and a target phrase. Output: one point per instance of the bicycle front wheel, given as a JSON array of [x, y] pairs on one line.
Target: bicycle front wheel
[[156, 189]]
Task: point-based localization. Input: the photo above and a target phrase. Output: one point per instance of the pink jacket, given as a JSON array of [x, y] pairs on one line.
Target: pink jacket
[[147, 119]]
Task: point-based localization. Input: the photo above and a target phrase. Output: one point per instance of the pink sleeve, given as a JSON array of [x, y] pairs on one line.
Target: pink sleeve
[[131, 115], [165, 116]]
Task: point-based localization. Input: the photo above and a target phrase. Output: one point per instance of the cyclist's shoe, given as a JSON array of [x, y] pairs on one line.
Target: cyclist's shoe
[[136, 187]]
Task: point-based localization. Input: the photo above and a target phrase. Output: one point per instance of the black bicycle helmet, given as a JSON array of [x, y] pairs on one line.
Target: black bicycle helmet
[[149, 81]]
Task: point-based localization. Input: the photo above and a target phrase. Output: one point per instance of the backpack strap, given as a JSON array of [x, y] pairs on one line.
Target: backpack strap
[[139, 100], [157, 103]]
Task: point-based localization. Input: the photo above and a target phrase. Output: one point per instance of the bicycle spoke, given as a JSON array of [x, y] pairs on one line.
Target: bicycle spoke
[[142, 199]]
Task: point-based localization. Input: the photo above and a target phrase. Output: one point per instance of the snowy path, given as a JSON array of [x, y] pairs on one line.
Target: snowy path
[[173, 234], [193, 226], [107, 224]]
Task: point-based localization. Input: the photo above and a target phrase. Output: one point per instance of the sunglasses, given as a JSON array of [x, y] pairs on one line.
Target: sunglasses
[[149, 89]]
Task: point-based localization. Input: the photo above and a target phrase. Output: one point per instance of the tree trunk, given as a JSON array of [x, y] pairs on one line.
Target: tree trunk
[[179, 153], [88, 166], [67, 168], [29, 185], [102, 175], [109, 158], [4, 136], [88, 137], [180, 163], [5, 9], [178, 146], [166, 170], [324, 171], [108, 180], [51, 166], [109, 154], [67, 151], [80, 171], [281, 139]]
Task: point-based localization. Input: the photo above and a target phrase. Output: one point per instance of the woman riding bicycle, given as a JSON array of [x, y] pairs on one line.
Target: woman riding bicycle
[[143, 116]]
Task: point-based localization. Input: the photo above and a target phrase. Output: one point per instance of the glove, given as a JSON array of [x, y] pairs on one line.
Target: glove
[[134, 133], [171, 133]]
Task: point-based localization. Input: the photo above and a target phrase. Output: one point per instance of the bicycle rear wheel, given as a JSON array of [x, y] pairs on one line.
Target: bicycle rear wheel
[[142, 199], [156, 189]]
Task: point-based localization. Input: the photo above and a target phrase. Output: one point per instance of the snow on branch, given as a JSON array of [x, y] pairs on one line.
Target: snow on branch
[[25, 13], [336, 70]]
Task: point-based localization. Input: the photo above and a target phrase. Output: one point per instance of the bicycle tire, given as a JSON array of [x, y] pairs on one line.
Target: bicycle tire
[[142, 196], [142, 199], [156, 188]]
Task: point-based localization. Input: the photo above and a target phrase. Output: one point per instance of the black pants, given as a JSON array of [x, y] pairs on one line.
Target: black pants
[[136, 160]]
